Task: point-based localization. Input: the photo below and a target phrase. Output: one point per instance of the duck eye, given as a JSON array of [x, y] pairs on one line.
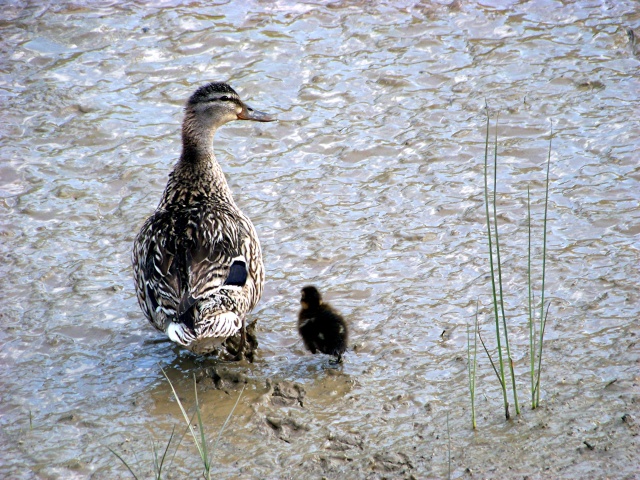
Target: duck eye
[[224, 98]]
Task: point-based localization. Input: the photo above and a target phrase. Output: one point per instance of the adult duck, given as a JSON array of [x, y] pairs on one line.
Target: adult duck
[[197, 260]]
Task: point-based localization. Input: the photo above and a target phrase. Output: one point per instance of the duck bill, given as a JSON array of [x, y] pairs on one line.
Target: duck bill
[[249, 113]]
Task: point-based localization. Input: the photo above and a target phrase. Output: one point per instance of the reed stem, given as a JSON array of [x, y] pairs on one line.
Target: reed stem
[[532, 327], [543, 317], [499, 262], [472, 367], [493, 276]]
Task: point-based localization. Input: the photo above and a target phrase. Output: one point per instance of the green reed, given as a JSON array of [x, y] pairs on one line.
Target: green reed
[[497, 290], [199, 439], [201, 444], [472, 367], [533, 348], [158, 462]]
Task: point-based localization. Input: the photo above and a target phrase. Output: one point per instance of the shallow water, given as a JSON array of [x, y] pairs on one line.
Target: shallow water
[[370, 185]]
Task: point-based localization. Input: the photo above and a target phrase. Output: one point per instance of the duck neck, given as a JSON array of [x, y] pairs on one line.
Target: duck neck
[[197, 138], [197, 177]]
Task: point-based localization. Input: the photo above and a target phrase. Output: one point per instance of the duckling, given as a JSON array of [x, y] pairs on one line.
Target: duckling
[[197, 261], [320, 326]]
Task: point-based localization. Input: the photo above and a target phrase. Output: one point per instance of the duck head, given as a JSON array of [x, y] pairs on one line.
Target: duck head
[[221, 101], [210, 107], [310, 297]]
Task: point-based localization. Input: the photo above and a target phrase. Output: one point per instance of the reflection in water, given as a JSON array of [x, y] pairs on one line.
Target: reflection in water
[[369, 186]]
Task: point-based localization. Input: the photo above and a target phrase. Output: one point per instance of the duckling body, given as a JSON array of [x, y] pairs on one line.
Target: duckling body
[[322, 328], [197, 260]]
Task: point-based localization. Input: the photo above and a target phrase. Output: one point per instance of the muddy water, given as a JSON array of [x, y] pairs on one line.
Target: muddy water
[[370, 186]]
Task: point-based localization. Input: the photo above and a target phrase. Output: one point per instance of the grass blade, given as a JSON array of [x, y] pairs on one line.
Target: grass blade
[[493, 275], [125, 463], [532, 340], [499, 263], [164, 455], [175, 452], [186, 417], [203, 441], [493, 365], [542, 328], [215, 445], [472, 369], [156, 466], [544, 266]]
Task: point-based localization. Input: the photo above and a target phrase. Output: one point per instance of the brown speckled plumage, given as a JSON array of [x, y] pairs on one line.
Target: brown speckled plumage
[[197, 260]]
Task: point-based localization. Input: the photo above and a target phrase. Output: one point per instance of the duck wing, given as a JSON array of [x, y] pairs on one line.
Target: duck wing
[[188, 255]]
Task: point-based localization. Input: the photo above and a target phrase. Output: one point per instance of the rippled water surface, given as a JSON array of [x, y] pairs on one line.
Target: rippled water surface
[[370, 185]]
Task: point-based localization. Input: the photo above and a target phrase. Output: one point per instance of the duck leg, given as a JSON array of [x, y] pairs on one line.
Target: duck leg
[[336, 361], [243, 341], [235, 350]]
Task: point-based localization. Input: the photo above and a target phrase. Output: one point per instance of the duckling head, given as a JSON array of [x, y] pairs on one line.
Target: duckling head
[[310, 297]]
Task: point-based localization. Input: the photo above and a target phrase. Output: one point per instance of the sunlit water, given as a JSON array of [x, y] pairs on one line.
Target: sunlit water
[[370, 185]]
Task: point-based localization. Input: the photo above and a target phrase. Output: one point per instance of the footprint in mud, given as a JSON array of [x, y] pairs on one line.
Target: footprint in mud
[[391, 462], [286, 394], [286, 427], [342, 442], [283, 394], [220, 377]]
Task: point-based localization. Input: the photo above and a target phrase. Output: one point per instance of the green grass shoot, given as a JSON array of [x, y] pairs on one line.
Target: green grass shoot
[[543, 318], [536, 334], [499, 263], [501, 374], [200, 440], [158, 462], [532, 326], [124, 463], [472, 367]]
